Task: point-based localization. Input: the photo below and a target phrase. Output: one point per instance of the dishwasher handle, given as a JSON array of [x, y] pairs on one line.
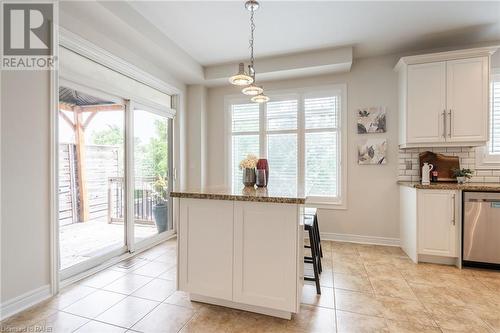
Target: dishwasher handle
[[496, 201]]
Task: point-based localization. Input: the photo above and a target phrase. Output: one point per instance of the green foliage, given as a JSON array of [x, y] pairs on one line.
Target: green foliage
[[112, 136], [158, 149], [467, 173]]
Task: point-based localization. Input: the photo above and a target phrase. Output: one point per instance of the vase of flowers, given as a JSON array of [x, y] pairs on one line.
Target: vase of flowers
[[462, 175], [248, 167]]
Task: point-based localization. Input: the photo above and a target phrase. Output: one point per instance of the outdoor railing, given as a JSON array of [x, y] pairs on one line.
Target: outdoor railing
[[143, 200]]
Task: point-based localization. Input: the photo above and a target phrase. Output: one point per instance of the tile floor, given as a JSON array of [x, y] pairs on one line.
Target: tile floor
[[365, 288]]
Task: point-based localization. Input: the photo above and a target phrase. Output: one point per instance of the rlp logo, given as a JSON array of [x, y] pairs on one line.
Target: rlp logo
[[27, 29]]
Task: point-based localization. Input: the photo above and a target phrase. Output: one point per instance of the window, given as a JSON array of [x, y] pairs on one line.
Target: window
[[489, 156], [301, 135]]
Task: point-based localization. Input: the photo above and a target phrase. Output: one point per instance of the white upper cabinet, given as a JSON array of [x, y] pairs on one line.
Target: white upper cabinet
[[467, 99], [444, 98], [426, 102]]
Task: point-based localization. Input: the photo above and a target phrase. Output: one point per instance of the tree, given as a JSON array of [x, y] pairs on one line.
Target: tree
[[112, 136], [158, 149]]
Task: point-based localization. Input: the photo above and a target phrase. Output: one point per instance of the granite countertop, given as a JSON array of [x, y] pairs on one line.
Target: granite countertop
[[485, 187], [247, 194]]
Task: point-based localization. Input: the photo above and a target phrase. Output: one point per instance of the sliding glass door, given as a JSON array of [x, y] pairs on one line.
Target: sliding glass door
[[91, 177], [152, 174], [115, 176]]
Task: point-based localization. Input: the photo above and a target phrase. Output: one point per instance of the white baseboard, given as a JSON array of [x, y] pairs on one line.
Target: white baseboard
[[24, 301], [360, 239]]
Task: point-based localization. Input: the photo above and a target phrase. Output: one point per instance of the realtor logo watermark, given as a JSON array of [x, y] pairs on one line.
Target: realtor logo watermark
[[27, 36]]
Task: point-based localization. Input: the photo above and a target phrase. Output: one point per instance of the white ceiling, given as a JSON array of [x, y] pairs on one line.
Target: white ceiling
[[214, 32]]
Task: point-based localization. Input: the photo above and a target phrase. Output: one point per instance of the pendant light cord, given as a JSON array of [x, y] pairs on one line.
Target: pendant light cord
[[252, 29]]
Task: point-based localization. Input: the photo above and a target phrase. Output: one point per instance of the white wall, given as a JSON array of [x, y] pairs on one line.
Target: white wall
[[196, 139], [25, 157], [25, 154], [373, 197]]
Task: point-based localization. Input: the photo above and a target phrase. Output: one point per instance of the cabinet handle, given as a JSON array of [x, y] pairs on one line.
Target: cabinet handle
[[444, 124], [453, 209], [449, 129]]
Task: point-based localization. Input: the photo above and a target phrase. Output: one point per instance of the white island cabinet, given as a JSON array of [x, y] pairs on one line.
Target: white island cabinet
[[241, 250]]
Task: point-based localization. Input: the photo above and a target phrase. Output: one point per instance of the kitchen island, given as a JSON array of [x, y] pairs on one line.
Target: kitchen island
[[241, 249]]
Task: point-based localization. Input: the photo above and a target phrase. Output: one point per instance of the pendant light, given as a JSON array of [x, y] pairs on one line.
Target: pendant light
[[248, 79], [241, 78]]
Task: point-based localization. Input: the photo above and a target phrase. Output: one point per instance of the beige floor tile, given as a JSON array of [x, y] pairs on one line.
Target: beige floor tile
[[394, 287], [156, 290], [101, 279], [349, 267], [492, 283], [98, 327], [326, 299], [128, 284], [127, 312], [348, 322], [181, 298], [164, 318], [153, 269], [69, 295], [344, 247], [60, 322], [429, 294], [405, 310], [381, 270], [212, 319], [362, 303], [313, 319], [352, 282], [171, 274], [94, 304], [27, 317], [409, 327], [457, 318]]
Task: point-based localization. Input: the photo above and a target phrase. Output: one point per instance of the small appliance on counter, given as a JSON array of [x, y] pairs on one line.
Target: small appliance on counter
[[443, 166]]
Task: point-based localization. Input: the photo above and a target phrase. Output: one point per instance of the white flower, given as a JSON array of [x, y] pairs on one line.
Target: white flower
[[250, 162]]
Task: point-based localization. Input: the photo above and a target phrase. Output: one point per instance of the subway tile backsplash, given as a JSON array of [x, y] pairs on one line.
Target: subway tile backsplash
[[467, 156]]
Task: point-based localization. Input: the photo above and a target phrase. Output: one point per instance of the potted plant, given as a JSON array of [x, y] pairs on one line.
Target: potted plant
[[160, 207], [462, 174], [248, 167]]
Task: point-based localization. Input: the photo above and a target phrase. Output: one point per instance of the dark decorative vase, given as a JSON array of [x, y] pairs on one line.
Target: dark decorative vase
[[161, 217], [262, 164]]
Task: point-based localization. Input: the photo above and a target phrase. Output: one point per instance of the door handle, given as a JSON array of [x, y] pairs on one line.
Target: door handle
[[449, 129], [444, 124], [453, 209]]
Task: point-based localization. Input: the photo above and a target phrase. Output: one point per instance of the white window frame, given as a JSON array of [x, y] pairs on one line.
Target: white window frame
[[485, 160], [339, 202]]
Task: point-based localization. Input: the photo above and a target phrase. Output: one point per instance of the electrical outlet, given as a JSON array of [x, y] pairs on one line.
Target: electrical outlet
[[408, 165]]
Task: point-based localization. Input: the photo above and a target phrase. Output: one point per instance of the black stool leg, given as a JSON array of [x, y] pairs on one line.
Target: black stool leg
[[316, 225], [315, 260], [317, 249]]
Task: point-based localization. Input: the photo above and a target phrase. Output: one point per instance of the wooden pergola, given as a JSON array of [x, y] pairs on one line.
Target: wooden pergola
[[84, 108]]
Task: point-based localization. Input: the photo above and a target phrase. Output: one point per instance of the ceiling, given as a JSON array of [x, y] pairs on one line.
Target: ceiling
[[215, 32]]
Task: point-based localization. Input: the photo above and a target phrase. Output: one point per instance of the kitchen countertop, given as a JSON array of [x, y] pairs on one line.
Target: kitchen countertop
[[247, 194], [485, 187]]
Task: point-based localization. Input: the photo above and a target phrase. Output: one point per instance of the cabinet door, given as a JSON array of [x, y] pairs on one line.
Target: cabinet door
[[206, 247], [426, 102], [265, 252], [437, 222], [467, 100]]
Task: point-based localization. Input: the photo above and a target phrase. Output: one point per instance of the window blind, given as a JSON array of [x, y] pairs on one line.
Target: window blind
[[495, 116], [281, 119], [245, 138], [321, 148]]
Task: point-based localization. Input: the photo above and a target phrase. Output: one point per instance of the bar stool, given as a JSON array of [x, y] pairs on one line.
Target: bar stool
[[311, 226]]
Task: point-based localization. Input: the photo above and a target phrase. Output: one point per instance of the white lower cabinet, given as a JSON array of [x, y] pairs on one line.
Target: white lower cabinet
[[429, 223], [206, 247], [264, 255], [437, 222], [239, 254]]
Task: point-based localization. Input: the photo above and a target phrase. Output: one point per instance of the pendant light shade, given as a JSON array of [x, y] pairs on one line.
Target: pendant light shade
[[252, 90], [261, 98], [241, 78]]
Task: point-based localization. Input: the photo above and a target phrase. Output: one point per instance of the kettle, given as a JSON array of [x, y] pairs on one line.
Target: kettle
[[426, 170]]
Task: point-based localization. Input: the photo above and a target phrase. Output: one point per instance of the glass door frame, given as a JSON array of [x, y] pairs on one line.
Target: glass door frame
[[131, 106], [90, 263], [129, 244]]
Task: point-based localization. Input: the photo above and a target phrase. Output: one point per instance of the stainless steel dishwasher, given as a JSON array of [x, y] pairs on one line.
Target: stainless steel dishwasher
[[481, 229]]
